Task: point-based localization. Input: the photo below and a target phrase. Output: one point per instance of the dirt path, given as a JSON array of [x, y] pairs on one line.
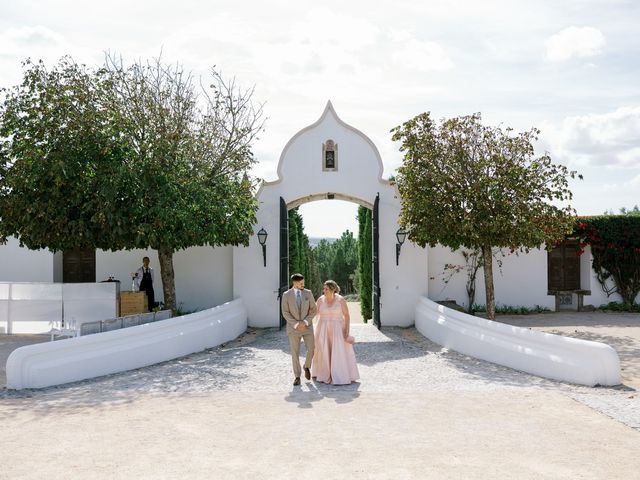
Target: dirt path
[[419, 411], [354, 312], [303, 434]]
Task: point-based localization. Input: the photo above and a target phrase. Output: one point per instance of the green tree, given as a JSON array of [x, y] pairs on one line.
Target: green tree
[[126, 157], [634, 212], [294, 242], [345, 261], [324, 254], [464, 184], [304, 249], [315, 280], [365, 258], [58, 157], [301, 256], [192, 154]]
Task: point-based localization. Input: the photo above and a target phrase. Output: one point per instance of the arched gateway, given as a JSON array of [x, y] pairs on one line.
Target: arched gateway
[[329, 160]]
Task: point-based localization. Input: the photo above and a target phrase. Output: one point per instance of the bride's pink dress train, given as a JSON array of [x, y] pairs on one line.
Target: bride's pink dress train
[[334, 360]]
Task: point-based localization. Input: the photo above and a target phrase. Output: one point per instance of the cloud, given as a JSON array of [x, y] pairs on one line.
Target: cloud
[[611, 139], [38, 43], [413, 54], [325, 54], [575, 42], [26, 40]]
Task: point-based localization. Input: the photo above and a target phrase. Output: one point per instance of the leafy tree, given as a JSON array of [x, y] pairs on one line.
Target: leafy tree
[[324, 254], [464, 184], [304, 249], [365, 258], [294, 242], [301, 256], [192, 151], [635, 211], [336, 260], [299, 248], [315, 280], [345, 262], [127, 157], [58, 159]]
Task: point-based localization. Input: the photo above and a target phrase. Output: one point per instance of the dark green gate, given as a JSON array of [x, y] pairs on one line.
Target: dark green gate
[[376, 263], [284, 256]]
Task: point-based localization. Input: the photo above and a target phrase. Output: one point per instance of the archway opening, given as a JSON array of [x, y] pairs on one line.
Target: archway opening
[[333, 239]]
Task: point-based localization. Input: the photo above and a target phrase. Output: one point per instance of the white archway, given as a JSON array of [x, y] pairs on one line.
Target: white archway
[[355, 175], [328, 196]]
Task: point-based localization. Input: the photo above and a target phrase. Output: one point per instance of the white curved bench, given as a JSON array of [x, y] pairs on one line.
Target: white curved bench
[[64, 361], [544, 354]]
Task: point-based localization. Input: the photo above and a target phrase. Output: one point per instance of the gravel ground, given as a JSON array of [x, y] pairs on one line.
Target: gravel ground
[[391, 360]]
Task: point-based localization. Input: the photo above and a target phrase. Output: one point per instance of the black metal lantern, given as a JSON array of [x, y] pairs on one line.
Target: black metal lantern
[[262, 238], [401, 236]]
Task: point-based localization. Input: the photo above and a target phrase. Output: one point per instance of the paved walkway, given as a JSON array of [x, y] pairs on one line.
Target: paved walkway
[[418, 411]]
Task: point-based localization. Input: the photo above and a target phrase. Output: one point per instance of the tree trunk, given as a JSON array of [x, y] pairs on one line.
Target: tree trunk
[[471, 293], [165, 257], [473, 265], [488, 281]]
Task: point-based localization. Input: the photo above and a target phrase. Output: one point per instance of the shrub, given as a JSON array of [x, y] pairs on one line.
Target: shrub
[[620, 307], [511, 310]]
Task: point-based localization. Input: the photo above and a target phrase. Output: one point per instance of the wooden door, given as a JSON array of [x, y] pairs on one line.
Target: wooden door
[[79, 266], [563, 264]]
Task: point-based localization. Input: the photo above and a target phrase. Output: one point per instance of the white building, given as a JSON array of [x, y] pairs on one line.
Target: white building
[[326, 160]]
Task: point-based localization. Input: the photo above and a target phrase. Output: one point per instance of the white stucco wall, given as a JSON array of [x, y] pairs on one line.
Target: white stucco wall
[[204, 276], [301, 179], [23, 265], [522, 280]]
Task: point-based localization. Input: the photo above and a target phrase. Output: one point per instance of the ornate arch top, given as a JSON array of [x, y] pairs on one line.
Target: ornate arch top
[[329, 112]]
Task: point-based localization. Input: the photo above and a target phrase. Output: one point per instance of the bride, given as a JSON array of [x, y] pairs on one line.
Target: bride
[[334, 360]]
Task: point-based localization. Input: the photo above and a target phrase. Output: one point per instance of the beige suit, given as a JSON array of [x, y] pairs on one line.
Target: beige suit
[[294, 316]]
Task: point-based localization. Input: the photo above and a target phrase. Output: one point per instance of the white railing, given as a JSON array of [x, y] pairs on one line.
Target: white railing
[[543, 354], [69, 360], [36, 307]]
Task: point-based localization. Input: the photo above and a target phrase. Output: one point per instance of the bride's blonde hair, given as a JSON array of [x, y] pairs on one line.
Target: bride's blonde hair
[[333, 286]]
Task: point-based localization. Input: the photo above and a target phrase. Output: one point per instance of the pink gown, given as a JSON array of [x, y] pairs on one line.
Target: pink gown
[[334, 360]]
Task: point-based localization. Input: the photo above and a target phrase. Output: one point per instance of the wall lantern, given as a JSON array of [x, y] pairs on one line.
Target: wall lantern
[[401, 236], [262, 238]]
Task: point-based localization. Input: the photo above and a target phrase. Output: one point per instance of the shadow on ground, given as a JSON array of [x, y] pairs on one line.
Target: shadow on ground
[[259, 361]]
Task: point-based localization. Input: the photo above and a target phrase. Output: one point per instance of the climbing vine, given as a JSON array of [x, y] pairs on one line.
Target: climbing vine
[[615, 247]]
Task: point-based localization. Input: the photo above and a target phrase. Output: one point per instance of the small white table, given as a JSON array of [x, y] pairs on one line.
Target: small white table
[[69, 330]]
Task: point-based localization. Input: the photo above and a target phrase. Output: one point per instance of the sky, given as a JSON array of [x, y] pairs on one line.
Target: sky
[[570, 68]]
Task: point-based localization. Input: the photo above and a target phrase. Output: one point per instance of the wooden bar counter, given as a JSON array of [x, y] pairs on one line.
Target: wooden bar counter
[[132, 303]]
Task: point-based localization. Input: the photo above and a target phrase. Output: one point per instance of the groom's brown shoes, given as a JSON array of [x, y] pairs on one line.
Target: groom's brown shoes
[[296, 381], [307, 373]]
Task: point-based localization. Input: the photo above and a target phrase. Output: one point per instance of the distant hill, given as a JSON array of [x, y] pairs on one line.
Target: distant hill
[[314, 241]]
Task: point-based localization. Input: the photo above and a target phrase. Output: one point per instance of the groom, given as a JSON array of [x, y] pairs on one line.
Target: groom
[[298, 309]]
